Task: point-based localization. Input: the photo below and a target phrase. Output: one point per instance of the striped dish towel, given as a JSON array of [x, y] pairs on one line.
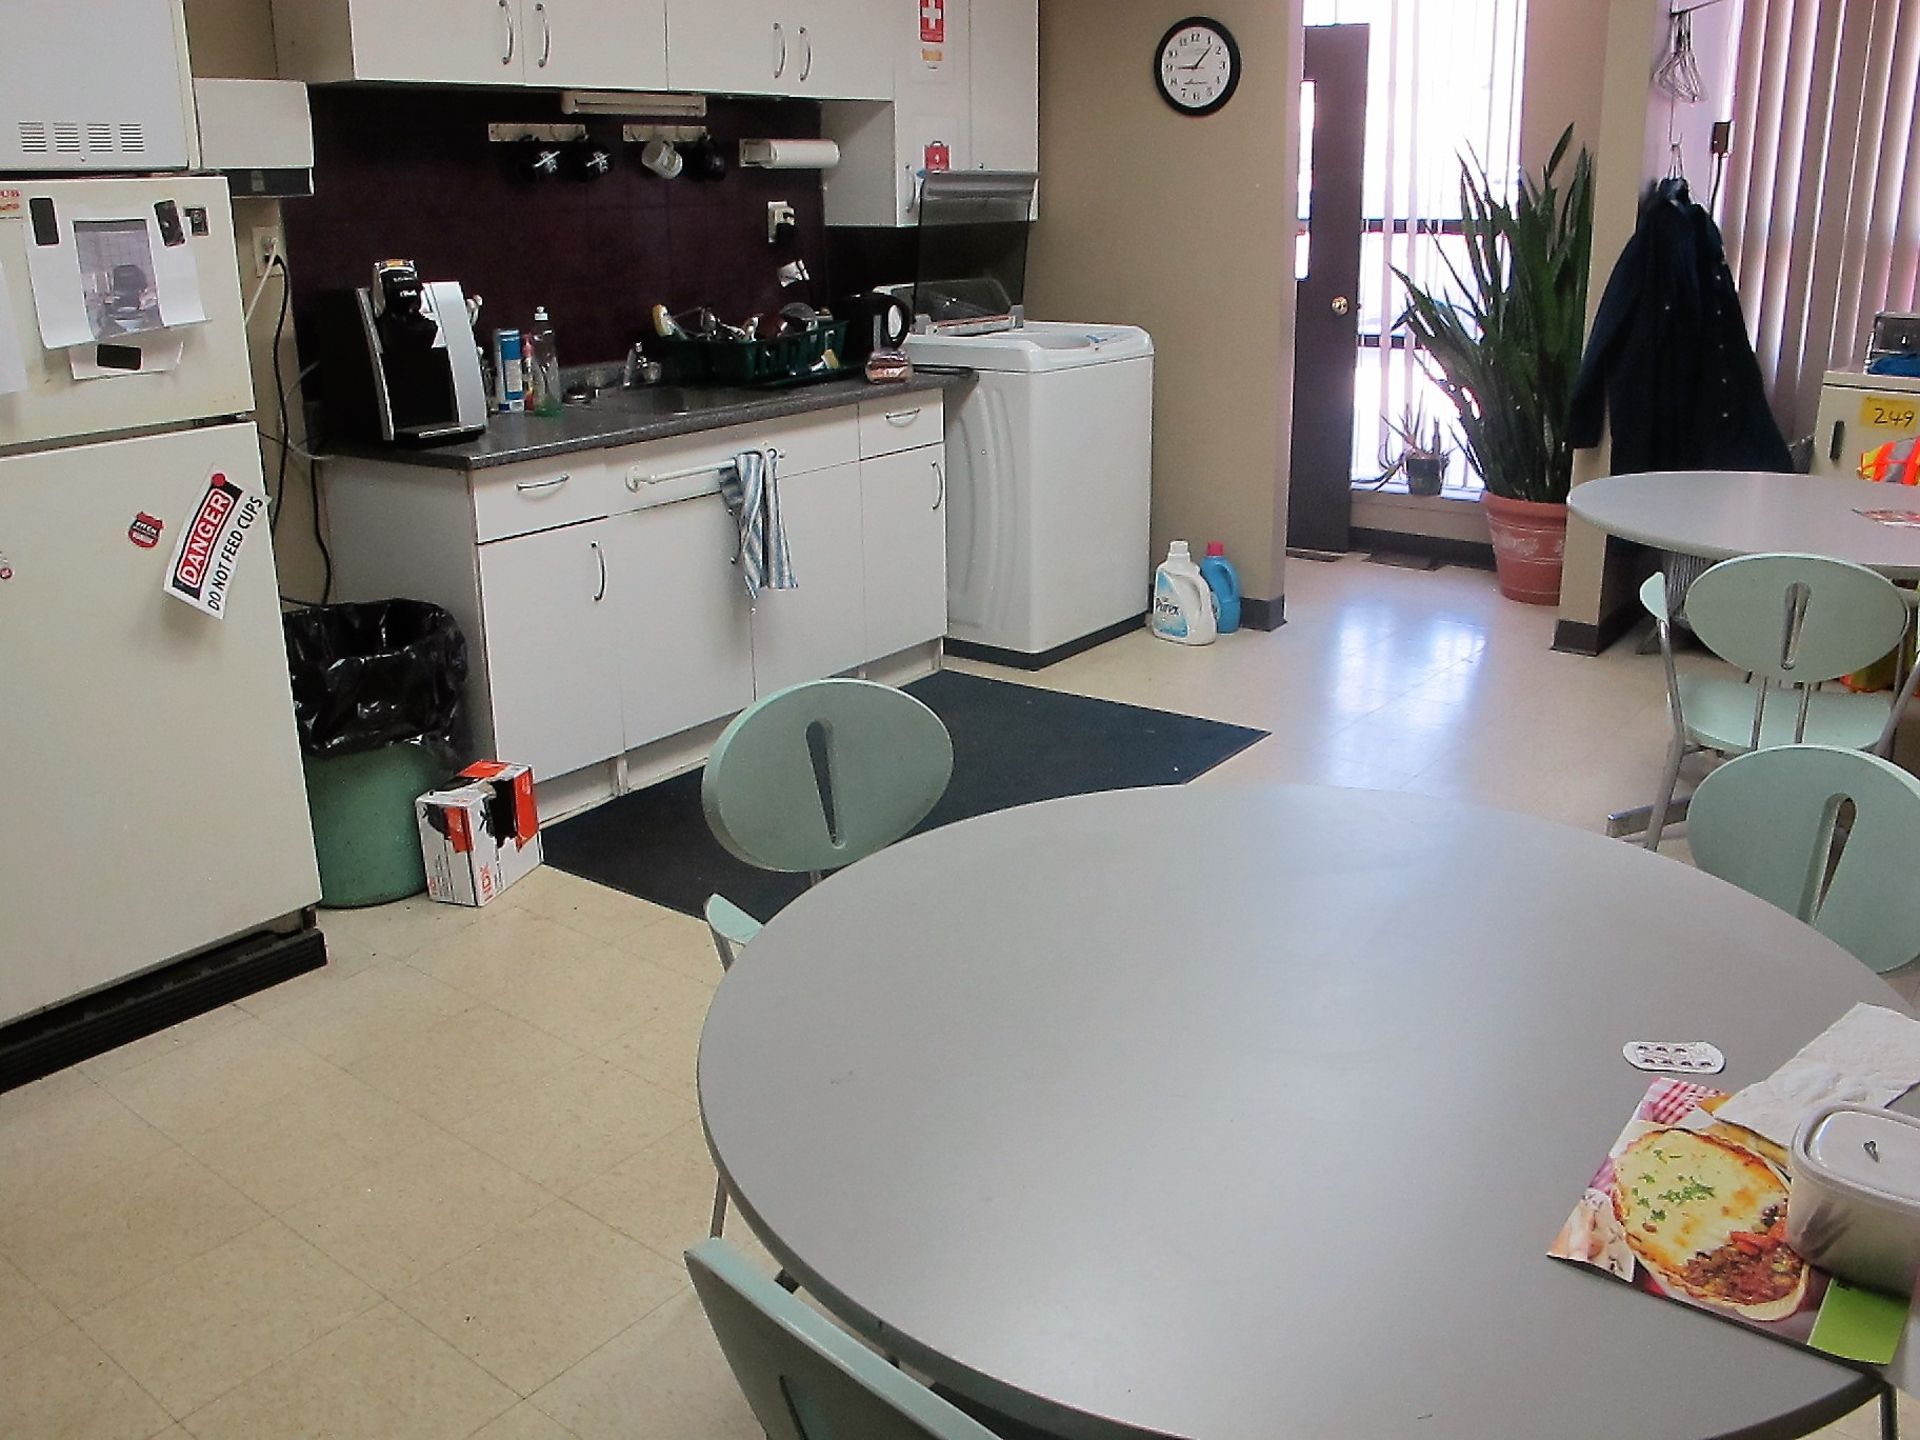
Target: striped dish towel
[[752, 493]]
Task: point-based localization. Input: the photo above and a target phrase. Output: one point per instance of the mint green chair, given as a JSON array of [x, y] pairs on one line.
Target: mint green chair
[[813, 778], [1768, 820], [1792, 623], [805, 1378]]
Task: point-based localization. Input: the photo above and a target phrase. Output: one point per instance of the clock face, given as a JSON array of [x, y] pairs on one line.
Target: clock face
[[1198, 66]]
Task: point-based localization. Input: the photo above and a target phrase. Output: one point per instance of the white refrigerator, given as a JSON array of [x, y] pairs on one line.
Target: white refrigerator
[[154, 805]]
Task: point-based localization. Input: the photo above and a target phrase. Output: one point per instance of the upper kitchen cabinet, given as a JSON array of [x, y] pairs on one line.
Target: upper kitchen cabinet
[[825, 49], [585, 44], [966, 97]]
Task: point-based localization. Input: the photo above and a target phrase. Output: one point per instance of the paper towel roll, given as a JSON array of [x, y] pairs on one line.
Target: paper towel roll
[[790, 154]]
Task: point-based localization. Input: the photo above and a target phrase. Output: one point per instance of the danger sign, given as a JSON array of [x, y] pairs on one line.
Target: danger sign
[[210, 543], [933, 22]]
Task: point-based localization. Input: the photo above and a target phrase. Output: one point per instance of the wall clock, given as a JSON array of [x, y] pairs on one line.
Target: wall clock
[[1197, 66]]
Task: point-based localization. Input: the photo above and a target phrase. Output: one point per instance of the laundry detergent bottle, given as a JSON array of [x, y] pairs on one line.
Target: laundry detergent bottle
[[1182, 603], [1224, 581]]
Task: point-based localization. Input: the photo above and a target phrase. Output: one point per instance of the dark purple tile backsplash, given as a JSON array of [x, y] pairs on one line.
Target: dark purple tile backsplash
[[410, 172]]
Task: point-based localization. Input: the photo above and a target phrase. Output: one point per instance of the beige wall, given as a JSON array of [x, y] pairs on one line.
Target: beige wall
[[1561, 81], [235, 38], [1183, 226]]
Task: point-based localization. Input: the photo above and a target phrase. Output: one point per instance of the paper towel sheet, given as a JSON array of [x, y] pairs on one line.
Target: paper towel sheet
[[1869, 1056]]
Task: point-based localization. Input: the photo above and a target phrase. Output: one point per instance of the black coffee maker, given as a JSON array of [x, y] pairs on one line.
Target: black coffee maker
[[398, 361]]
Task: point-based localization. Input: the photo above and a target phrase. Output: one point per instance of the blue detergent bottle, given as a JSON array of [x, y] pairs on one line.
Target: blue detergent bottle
[[1224, 581]]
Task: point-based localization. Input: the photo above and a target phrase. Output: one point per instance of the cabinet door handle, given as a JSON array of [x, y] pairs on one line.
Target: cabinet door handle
[[806, 62], [902, 417], [513, 38], [780, 65], [529, 487], [601, 556], [1839, 435], [940, 483], [546, 33]]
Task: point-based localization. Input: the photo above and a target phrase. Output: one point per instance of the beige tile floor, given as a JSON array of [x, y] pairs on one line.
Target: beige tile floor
[[440, 1188]]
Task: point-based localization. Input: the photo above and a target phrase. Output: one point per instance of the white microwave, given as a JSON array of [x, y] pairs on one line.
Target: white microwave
[[95, 86]]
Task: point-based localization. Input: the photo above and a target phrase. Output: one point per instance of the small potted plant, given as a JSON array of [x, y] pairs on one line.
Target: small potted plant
[[1424, 452]]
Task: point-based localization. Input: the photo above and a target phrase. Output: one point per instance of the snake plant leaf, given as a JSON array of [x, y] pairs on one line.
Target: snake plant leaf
[[1502, 342]]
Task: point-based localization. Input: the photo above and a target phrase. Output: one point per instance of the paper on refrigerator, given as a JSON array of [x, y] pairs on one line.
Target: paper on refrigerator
[[13, 359], [101, 275], [208, 551]]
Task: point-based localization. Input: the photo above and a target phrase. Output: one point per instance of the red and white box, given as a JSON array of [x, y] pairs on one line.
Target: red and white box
[[479, 837]]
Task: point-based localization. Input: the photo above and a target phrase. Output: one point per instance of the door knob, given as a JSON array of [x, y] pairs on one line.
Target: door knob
[[1341, 305]]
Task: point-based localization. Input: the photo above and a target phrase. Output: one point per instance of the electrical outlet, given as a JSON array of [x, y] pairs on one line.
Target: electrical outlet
[[1722, 137], [779, 213], [266, 245]]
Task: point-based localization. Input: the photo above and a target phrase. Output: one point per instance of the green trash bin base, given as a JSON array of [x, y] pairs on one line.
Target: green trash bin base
[[364, 831]]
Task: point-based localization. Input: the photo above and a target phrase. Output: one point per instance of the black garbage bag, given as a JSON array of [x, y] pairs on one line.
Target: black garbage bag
[[372, 674]]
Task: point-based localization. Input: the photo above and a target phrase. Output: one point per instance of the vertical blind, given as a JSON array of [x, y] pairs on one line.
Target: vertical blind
[[1443, 82], [1822, 205]]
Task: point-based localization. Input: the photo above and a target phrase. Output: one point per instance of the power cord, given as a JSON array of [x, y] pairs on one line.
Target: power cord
[[287, 447]]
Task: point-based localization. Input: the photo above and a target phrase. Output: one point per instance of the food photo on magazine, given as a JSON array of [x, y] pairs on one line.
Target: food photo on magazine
[[1694, 1208]]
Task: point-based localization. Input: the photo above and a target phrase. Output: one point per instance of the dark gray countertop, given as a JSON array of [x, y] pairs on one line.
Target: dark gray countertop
[[628, 417]]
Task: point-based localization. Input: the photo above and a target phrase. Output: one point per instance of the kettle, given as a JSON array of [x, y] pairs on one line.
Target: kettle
[[872, 316]]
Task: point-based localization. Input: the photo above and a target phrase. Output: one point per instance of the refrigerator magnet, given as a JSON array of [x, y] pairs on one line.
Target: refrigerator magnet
[[145, 530]]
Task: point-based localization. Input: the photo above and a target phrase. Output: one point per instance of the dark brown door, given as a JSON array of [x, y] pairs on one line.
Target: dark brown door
[[1326, 329]]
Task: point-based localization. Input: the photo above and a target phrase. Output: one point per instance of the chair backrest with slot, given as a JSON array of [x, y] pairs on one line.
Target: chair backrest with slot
[[1795, 620], [804, 1377], [1768, 821], [822, 774]]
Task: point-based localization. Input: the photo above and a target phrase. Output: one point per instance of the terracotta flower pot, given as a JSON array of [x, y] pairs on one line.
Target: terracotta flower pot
[[1529, 545]]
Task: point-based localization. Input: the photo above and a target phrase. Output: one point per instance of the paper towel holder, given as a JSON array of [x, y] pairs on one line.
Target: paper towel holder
[[789, 154]]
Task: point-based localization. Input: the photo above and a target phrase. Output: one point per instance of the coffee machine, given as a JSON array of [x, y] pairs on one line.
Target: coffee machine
[[398, 361]]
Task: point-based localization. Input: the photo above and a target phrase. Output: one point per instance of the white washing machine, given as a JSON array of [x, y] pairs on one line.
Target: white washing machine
[[1049, 487]]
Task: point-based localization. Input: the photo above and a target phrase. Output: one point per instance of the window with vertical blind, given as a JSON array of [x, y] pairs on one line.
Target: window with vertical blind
[[1821, 207], [1443, 82]]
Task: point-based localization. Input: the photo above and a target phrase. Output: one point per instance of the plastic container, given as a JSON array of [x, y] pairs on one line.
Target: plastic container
[[1182, 602], [543, 366], [1224, 581], [509, 369], [1853, 1207], [365, 837]]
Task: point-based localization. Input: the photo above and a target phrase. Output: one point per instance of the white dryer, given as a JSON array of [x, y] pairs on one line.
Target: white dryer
[[1049, 487]]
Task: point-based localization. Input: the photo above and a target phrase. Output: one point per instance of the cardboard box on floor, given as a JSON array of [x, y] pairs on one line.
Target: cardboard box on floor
[[479, 837]]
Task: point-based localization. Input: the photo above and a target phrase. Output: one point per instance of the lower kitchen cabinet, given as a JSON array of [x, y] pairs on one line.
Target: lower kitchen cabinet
[[605, 645], [819, 628], [547, 637], [904, 548], [681, 639]]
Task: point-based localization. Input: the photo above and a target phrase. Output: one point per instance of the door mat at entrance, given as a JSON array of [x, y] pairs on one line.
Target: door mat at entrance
[[1012, 745]]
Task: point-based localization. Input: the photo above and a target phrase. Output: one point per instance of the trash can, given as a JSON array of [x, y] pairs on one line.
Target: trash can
[[376, 689]]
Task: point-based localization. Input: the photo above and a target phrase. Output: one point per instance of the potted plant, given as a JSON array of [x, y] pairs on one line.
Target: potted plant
[[1504, 346], [1424, 452]]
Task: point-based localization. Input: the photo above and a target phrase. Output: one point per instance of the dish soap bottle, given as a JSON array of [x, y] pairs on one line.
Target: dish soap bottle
[[1224, 581], [543, 365], [1182, 604]]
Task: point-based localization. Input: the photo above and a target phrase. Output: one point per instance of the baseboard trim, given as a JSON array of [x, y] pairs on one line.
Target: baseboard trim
[[1021, 660], [1473, 553], [1575, 637], [1263, 614], [38, 1045]]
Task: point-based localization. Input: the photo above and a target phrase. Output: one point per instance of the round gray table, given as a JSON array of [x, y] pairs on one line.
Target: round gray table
[[1248, 1114], [1717, 514]]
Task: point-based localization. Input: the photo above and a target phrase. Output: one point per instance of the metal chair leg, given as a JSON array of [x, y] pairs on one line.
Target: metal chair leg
[[1663, 802], [1889, 1414], [719, 1206]]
